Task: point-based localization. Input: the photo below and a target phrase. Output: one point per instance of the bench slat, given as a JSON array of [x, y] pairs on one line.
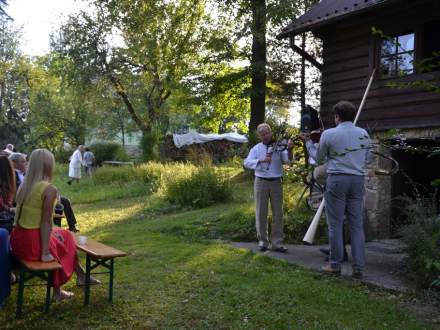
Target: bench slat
[[98, 250], [39, 266]]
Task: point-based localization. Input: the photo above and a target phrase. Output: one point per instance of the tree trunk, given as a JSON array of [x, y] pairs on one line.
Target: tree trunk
[[258, 64], [303, 72]]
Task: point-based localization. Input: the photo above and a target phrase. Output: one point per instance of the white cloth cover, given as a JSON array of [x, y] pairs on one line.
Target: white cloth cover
[[75, 165], [181, 140]]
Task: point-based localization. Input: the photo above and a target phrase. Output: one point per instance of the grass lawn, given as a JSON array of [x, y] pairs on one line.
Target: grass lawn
[[176, 278]]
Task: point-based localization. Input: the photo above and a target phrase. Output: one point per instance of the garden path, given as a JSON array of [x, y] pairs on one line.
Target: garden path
[[383, 261]]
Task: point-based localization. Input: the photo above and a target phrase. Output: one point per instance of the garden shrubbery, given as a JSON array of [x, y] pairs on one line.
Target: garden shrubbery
[[108, 151], [422, 243], [179, 183], [200, 189]]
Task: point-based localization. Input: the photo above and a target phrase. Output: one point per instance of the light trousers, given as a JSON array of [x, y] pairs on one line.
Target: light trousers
[[266, 191]]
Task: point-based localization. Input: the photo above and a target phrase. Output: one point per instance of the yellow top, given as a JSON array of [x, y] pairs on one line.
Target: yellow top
[[32, 209]]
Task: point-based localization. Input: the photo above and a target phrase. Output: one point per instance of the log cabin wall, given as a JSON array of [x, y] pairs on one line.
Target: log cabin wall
[[350, 52]]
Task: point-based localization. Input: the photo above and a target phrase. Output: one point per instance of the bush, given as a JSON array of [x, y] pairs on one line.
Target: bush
[[62, 156], [422, 243], [108, 151], [200, 189]]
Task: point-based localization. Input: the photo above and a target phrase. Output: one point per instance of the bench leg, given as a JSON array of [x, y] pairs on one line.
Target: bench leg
[[110, 284], [48, 287], [87, 283], [19, 310]]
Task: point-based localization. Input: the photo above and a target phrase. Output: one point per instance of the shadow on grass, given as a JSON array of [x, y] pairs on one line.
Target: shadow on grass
[[169, 281]]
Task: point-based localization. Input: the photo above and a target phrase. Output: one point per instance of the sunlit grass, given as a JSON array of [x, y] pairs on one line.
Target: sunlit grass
[[174, 277]]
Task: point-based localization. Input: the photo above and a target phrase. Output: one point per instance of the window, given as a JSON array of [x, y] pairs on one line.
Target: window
[[397, 56]]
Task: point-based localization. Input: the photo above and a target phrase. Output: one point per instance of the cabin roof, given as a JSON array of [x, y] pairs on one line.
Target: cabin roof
[[328, 11]]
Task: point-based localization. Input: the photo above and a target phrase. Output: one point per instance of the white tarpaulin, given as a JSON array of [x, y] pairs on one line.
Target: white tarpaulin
[[181, 140]]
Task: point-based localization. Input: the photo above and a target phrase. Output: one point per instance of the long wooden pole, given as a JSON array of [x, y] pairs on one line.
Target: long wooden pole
[[310, 234]]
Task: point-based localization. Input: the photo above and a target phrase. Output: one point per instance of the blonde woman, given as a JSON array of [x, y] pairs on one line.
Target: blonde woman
[[33, 237]]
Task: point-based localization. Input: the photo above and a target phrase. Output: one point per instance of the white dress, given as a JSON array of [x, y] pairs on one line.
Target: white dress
[[75, 165]]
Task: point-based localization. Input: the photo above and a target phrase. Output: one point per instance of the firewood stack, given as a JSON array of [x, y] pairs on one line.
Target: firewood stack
[[218, 150]]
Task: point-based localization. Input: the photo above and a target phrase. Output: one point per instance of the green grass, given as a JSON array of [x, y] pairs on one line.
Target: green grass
[[174, 277]]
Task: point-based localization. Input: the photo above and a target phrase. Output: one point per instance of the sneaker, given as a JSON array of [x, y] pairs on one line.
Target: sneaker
[[330, 270], [262, 248], [357, 275]]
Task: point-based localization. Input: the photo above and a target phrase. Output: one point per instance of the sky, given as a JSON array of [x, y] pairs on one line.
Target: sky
[[38, 19]]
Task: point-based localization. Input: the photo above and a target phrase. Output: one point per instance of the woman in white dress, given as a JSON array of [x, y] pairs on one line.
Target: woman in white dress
[[76, 161]]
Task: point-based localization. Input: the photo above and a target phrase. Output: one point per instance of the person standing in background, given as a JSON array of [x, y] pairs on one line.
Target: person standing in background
[[76, 161], [89, 161]]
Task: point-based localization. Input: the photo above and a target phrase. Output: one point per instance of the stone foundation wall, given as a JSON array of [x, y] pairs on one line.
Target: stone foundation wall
[[377, 200]]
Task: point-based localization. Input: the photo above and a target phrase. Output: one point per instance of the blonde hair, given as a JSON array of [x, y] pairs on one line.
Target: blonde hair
[[40, 168]]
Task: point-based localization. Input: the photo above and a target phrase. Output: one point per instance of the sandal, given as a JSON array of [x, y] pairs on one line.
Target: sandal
[[81, 282]]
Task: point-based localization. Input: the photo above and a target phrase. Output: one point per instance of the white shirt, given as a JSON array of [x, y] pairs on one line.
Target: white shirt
[[312, 149], [265, 170]]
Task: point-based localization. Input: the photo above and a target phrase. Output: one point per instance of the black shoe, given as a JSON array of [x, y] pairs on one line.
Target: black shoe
[[324, 251], [74, 230], [69, 182], [280, 249], [357, 275], [262, 248]]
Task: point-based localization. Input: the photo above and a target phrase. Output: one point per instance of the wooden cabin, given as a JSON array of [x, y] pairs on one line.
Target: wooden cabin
[[395, 37]]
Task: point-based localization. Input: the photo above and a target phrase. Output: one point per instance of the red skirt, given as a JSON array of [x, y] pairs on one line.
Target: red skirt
[[25, 244]]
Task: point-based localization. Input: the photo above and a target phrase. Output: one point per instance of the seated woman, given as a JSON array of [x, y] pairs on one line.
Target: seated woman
[[33, 237]]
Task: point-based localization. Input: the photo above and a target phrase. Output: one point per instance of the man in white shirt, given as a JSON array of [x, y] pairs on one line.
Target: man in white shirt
[[76, 161], [268, 166]]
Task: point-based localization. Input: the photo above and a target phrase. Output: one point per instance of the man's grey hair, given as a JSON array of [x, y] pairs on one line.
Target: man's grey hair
[[263, 126], [16, 156]]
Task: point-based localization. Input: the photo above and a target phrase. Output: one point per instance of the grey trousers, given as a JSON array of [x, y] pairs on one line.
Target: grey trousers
[[264, 191], [344, 196]]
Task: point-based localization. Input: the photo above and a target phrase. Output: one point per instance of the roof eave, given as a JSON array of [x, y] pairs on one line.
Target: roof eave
[[324, 21]]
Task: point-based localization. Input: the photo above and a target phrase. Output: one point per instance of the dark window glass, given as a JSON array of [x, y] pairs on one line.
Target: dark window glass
[[397, 56]]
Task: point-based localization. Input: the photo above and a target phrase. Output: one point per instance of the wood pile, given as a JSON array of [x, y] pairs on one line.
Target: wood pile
[[218, 150]]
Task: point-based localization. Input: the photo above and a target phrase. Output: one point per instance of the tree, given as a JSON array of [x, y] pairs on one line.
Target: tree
[[157, 48], [14, 69], [258, 63], [3, 4]]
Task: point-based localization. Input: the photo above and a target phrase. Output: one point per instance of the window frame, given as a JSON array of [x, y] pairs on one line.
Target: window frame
[[396, 73]]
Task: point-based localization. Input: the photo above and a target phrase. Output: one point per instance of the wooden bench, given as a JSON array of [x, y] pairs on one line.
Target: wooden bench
[[98, 254], [117, 163], [31, 269]]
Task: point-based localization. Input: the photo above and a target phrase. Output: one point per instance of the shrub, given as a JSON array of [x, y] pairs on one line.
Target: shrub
[[62, 156], [202, 188], [422, 243], [108, 151]]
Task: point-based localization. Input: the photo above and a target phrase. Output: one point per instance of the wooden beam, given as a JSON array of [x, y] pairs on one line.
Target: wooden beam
[[304, 54]]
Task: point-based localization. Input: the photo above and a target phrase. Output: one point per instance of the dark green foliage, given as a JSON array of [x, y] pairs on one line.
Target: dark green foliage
[[422, 239], [62, 156], [108, 151], [201, 189]]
